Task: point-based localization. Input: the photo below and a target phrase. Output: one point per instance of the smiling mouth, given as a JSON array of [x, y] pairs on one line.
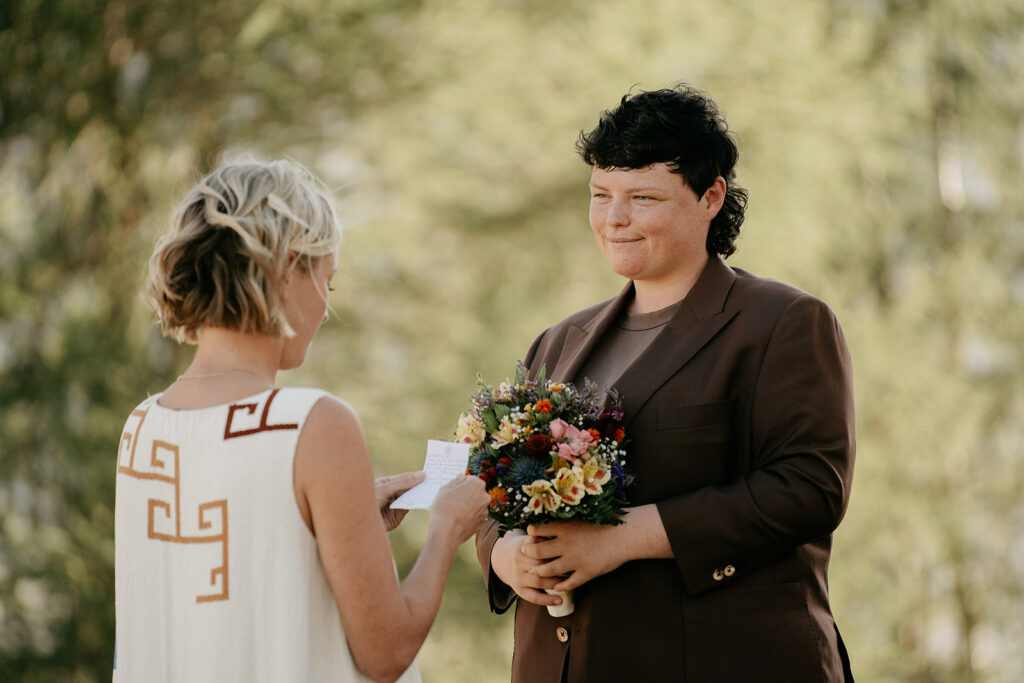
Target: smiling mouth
[[623, 241]]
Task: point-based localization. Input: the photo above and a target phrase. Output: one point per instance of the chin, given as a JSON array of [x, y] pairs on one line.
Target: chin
[[625, 271]]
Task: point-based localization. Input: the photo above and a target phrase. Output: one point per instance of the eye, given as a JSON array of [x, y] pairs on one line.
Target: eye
[[643, 197]]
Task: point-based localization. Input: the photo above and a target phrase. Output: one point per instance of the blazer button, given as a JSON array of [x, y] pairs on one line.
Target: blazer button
[[562, 634], [718, 575], [730, 570]]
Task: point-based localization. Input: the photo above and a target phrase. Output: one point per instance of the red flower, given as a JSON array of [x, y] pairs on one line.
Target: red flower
[[543, 406], [538, 445]]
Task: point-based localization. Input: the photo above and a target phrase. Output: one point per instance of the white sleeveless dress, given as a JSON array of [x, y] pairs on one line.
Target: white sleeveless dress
[[217, 576]]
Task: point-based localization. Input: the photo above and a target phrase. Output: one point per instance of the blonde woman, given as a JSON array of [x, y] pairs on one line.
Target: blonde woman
[[250, 534]]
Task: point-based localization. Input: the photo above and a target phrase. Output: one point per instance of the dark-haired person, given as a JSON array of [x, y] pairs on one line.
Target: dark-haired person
[[250, 534], [738, 399]]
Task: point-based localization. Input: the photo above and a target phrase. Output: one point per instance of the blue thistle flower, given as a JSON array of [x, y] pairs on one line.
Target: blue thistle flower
[[523, 471]]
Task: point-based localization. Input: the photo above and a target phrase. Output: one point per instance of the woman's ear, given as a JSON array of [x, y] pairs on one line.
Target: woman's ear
[[714, 197]]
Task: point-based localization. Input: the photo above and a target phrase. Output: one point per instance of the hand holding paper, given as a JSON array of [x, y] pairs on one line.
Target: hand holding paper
[[445, 460]]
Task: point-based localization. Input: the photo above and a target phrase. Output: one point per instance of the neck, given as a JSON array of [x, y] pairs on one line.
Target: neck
[[654, 295], [222, 350]]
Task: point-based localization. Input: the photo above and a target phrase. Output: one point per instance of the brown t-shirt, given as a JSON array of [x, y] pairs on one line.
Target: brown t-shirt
[[622, 344]]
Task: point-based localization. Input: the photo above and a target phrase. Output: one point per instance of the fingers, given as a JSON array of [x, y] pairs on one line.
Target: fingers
[[395, 518], [461, 505], [392, 486], [538, 597], [541, 549], [543, 530], [556, 569], [575, 580]]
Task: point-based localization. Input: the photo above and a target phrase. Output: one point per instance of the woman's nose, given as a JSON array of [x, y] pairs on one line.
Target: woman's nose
[[618, 213]]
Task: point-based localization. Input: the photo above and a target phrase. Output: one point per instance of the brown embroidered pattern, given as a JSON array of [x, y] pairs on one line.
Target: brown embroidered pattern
[[165, 461], [251, 408]]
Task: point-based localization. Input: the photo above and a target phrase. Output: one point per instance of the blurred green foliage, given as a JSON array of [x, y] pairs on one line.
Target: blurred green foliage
[[882, 143]]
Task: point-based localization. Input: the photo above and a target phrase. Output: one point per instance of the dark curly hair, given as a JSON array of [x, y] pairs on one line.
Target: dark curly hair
[[684, 129]]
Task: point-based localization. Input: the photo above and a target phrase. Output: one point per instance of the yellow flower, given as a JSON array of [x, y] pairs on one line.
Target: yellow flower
[[507, 432], [593, 475], [470, 430], [569, 485], [559, 464], [542, 496]]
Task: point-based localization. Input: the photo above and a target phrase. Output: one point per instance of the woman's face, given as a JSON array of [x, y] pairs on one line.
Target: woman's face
[[649, 224], [305, 301]]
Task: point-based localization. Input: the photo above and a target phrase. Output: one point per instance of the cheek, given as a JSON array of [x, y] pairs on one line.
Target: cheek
[[597, 213]]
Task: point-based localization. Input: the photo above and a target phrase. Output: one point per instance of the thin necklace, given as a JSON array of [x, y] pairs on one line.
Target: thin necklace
[[224, 372]]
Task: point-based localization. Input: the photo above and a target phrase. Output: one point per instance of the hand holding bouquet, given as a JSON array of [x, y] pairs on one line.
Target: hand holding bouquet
[[546, 452]]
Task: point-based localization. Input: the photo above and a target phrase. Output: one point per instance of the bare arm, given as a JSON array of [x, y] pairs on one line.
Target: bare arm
[[385, 623]]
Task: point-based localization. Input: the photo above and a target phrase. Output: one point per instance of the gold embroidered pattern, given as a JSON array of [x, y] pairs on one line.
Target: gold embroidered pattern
[[165, 461], [251, 409]]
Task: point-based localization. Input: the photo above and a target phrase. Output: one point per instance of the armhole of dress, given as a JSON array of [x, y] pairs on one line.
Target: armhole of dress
[[295, 454]]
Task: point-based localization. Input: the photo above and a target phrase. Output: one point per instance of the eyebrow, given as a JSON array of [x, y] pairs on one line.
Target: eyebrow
[[639, 188]]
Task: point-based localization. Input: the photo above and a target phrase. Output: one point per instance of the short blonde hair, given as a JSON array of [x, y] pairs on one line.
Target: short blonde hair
[[229, 248]]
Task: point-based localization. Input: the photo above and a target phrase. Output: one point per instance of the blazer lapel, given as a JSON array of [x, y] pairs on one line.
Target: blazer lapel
[[580, 341], [701, 316]]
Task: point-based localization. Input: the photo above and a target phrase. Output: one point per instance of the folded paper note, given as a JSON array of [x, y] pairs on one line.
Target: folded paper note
[[445, 461]]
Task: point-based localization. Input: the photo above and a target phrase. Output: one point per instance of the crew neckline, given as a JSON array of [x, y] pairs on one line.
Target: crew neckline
[[638, 322], [250, 397]]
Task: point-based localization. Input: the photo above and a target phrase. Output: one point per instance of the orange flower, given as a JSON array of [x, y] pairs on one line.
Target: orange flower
[[543, 406], [594, 433], [499, 496], [620, 434]]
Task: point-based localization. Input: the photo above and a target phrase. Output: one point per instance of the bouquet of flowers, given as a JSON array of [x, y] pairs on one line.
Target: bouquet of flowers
[[547, 452]]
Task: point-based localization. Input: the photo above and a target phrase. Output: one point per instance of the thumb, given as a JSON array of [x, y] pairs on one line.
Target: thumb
[[399, 483]]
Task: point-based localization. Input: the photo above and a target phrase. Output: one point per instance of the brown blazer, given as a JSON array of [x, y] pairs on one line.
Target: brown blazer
[[740, 415]]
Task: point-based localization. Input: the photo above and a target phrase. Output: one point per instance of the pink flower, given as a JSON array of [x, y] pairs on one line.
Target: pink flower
[[565, 452], [558, 428]]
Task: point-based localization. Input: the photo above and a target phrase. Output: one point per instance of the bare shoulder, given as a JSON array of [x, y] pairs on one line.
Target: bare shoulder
[[331, 414], [332, 433], [331, 458]]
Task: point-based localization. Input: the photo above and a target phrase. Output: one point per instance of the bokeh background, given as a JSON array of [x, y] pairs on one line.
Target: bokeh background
[[882, 142]]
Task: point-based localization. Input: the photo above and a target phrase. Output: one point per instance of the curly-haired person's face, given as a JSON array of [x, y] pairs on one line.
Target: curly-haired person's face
[[649, 224]]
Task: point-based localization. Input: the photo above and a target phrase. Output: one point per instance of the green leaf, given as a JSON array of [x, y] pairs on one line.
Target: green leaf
[[489, 419]]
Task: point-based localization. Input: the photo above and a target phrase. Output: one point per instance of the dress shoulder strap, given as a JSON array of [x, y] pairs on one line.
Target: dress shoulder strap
[[293, 404]]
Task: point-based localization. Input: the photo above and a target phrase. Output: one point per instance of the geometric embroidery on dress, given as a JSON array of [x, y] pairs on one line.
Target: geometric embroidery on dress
[[251, 408], [165, 456]]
